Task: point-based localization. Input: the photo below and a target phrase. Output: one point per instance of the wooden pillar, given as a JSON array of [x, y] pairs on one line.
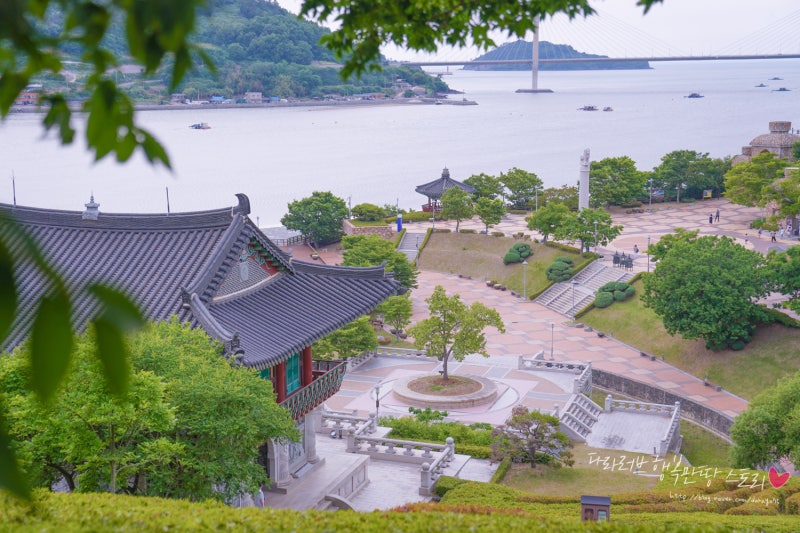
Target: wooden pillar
[[307, 367], [280, 381]]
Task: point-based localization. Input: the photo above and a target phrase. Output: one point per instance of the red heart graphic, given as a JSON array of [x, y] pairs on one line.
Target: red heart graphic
[[777, 480]]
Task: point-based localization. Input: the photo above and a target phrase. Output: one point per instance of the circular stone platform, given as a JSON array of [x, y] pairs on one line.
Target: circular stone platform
[[486, 394]]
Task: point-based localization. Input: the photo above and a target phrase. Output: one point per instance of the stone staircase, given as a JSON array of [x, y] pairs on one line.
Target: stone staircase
[[579, 415], [410, 245], [565, 299]]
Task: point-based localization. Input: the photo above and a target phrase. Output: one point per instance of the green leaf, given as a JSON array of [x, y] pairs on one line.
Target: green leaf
[[113, 354], [51, 344], [117, 308], [8, 293], [10, 476]]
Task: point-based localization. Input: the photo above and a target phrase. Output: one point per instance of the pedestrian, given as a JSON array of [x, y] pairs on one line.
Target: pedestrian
[[635, 249], [759, 233], [772, 234], [780, 232], [711, 218], [745, 239], [716, 217]]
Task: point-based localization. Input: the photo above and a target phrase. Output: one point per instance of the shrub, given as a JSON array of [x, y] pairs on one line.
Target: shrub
[[603, 299], [523, 249], [467, 230], [502, 469], [498, 234], [559, 271], [620, 296], [511, 257], [564, 259], [368, 212], [446, 484]]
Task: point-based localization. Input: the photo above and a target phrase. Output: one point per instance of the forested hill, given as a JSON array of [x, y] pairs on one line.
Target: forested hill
[[547, 50]]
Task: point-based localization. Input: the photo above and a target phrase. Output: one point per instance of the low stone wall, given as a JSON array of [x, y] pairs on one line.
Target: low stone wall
[[386, 231], [698, 413]]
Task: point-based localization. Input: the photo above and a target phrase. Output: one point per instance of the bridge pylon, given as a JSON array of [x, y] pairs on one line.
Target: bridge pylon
[[535, 64]]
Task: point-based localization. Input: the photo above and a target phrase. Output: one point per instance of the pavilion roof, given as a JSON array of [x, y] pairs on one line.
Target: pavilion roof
[[190, 265], [435, 189]]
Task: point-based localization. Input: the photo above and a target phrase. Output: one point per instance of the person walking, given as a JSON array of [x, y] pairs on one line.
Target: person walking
[[772, 235], [711, 218], [716, 217]]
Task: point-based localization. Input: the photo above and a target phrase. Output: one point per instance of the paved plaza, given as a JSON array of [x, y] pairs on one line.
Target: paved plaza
[[532, 328]]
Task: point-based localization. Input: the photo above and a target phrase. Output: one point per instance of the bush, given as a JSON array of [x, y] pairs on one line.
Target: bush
[[467, 231], [564, 259], [502, 469], [559, 271], [523, 249], [603, 299], [368, 212], [511, 257]]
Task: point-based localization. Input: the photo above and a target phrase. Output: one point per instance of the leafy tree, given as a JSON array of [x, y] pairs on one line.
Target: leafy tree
[[319, 217], [454, 329], [456, 205], [566, 194], [351, 340], [752, 183], [397, 311], [553, 215], [368, 212], [659, 249], [522, 186], [708, 288], [615, 181], [372, 250], [769, 430], [189, 427], [490, 211], [783, 275], [676, 170], [528, 433], [485, 186], [581, 227], [796, 151], [366, 26]]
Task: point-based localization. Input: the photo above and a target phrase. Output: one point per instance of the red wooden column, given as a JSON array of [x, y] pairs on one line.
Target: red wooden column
[[280, 381], [307, 367]]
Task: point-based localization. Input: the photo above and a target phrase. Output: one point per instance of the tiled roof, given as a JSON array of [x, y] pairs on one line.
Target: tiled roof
[[435, 189], [173, 264]]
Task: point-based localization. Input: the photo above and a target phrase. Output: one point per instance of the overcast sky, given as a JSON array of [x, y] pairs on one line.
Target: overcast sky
[[700, 27]]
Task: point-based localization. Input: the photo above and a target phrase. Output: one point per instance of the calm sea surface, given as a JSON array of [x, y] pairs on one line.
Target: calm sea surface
[[379, 154]]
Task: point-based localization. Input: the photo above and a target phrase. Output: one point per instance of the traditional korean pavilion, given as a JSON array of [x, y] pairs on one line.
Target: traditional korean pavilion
[[216, 270], [435, 189]]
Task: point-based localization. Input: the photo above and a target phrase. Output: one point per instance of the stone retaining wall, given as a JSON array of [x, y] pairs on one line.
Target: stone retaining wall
[[698, 413], [386, 231]]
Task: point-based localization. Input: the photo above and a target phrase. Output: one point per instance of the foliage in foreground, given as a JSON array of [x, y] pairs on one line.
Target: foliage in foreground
[[83, 512]]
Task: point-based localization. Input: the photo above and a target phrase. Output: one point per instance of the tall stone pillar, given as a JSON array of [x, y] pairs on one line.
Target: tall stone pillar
[[583, 182]]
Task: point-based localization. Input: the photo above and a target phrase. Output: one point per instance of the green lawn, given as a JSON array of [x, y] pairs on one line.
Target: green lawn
[[703, 448]]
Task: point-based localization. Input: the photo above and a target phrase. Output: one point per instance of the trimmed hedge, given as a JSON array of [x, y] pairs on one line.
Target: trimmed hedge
[[561, 270], [613, 291], [502, 469]]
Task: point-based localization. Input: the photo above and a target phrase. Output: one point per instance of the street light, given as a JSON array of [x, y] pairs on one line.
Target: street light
[[595, 236], [650, 205], [525, 280], [377, 390], [552, 327], [536, 192], [573, 301], [648, 253]]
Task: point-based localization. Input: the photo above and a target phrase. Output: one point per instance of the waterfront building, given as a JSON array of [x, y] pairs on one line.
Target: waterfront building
[[778, 141], [434, 190]]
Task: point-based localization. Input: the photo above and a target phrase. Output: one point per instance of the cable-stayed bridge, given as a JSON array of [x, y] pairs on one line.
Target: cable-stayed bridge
[[607, 36]]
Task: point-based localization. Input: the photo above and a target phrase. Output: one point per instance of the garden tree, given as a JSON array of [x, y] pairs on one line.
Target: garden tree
[[454, 329], [318, 217], [527, 433], [566, 194], [351, 340], [708, 288], [189, 427], [372, 250], [769, 430], [796, 151], [522, 186], [783, 275], [456, 205], [676, 171], [710, 174], [658, 250], [490, 211], [368, 212], [549, 217], [787, 195], [485, 186], [397, 311], [156, 37], [752, 183], [615, 181], [581, 227]]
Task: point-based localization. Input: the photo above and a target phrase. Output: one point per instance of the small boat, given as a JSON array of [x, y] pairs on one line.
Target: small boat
[[777, 78], [694, 95], [781, 90], [760, 85], [200, 126], [608, 108], [588, 108]]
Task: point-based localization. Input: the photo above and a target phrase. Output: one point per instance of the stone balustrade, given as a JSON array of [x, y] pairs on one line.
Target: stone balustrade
[[631, 406], [581, 385], [672, 438], [342, 423], [430, 472]]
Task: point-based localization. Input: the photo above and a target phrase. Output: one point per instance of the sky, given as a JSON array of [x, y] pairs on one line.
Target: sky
[[699, 27]]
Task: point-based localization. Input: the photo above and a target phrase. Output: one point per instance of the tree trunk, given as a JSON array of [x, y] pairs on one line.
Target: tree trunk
[[445, 357]]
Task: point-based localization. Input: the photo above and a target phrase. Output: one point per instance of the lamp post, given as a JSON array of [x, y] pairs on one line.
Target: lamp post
[[650, 204], [377, 390], [595, 236], [536, 193], [648, 253], [573, 301], [552, 328], [525, 280]]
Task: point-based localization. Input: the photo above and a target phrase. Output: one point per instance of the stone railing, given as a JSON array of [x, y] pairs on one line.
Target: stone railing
[[339, 424], [431, 472], [582, 384], [405, 353], [703, 415], [631, 406], [295, 239], [672, 438]]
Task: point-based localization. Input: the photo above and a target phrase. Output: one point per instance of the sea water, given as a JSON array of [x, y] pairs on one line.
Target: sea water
[[378, 154]]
